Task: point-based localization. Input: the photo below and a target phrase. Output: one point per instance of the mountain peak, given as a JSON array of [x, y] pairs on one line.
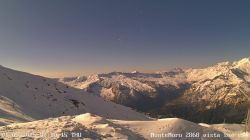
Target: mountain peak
[[135, 72], [242, 61], [226, 63]]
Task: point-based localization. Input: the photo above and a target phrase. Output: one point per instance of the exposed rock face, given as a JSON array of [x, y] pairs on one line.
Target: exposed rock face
[[219, 93]]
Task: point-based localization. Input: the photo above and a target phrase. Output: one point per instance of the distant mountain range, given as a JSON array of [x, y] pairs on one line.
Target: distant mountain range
[[220, 93]]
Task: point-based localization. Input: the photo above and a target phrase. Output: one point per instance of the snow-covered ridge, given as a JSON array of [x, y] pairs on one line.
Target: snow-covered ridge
[[95, 127], [26, 97]]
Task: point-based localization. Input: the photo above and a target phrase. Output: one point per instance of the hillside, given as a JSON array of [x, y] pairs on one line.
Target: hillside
[[25, 97]]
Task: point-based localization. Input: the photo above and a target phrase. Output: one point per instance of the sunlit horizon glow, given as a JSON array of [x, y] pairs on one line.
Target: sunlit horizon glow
[[69, 38]]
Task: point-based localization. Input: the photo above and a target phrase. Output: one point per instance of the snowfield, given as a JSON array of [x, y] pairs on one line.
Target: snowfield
[[88, 126]]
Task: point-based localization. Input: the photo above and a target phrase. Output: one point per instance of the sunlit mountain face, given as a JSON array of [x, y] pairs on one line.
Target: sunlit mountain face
[[215, 94]]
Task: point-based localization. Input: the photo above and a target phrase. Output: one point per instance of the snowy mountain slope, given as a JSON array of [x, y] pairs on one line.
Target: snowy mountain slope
[[11, 112], [221, 93], [201, 92], [133, 89], [26, 97], [96, 127]]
